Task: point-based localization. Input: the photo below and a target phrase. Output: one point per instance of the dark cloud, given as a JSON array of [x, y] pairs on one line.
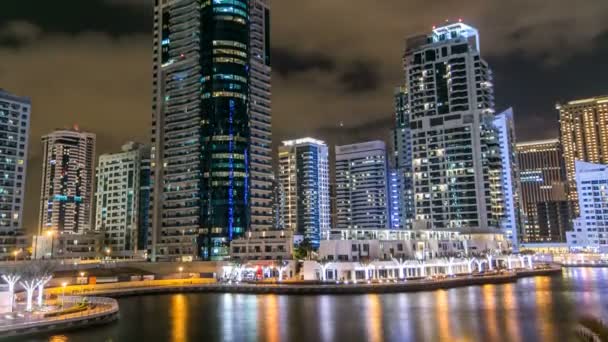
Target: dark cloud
[[361, 76], [77, 16], [285, 62]]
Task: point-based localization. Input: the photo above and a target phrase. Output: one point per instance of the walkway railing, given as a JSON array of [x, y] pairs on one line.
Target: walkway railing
[[102, 307]]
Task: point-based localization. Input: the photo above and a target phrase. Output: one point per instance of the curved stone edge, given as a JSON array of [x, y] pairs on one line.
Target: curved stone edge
[[330, 288], [54, 326]]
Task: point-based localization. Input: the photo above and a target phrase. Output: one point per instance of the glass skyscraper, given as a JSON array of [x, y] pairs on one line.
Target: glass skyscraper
[[304, 183], [207, 139]]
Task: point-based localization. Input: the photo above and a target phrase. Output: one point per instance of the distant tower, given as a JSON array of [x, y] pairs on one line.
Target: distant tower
[[512, 222], [362, 200], [402, 136], [583, 135], [304, 181], [68, 167], [544, 185], [455, 151], [119, 198], [15, 114], [590, 232]]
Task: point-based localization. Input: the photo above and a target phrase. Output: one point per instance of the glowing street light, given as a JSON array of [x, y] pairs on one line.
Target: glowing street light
[[180, 269], [16, 253], [63, 286]]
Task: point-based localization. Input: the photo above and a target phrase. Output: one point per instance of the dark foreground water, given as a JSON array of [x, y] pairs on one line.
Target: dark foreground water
[[533, 309]]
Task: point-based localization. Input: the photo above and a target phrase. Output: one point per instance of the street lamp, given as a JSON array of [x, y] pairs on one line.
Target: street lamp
[[180, 269], [63, 285], [108, 251], [15, 253]]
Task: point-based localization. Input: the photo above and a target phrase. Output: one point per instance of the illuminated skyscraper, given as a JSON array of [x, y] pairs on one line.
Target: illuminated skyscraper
[[15, 114], [583, 135], [547, 210], [455, 148], [66, 196], [402, 136], [211, 159], [512, 221], [590, 233], [121, 196], [362, 200], [304, 182]]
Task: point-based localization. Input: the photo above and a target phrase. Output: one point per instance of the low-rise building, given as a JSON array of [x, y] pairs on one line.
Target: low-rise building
[[51, 245], [263, 245], [590, 232], [386, 244]]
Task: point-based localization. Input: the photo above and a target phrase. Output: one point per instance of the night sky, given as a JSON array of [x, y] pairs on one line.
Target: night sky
[[334, 61]]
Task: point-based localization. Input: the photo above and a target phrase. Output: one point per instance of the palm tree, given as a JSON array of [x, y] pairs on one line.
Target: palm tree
[[591, 329]]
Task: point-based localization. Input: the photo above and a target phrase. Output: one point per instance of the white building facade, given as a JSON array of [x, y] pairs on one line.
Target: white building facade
[[118, 198], [512, 222], [590, 232], [304, 187], [68, 168], [455, 152], [15, 114], [362, 199]]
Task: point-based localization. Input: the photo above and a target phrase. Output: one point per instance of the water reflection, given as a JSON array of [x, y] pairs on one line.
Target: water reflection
[[373, 311], [510, 306], [491, 322], [179, 317], [443, 316], [326, 319], [544, 308], [534, 309]]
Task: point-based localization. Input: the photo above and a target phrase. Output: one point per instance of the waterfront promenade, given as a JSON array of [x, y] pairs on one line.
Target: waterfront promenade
[[99, 310], [298, 287]]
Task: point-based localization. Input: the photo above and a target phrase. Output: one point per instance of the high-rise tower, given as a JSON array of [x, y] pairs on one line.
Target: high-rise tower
[[304, 182], [68, 167], [121, 196], [261, 173], [15, 114], [544, 191], [211, 161], [362, 200], [583, 136], [455, 147]]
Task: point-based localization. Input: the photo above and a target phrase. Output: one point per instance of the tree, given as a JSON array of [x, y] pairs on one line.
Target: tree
[[281, 266], [30, 282], [45, 274], [303, 249], [11, 277], [35, 274], [324, 266]]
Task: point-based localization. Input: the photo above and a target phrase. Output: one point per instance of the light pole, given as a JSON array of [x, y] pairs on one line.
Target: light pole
[[108, 251], [15, 253], [63, 285], [180, 269]]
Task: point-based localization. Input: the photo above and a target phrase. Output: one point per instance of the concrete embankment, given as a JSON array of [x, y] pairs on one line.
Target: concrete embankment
[[105, 310], [328, 288]]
